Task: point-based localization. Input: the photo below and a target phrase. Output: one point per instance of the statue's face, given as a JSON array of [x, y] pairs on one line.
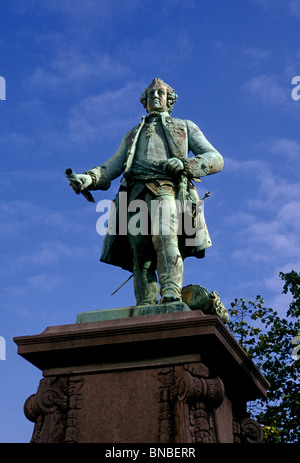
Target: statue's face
[[157, 98]]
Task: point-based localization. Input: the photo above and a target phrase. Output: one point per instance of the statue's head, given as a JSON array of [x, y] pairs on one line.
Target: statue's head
[[158, 96]]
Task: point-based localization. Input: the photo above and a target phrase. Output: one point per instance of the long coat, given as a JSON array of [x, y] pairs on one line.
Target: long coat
[[182, 136]]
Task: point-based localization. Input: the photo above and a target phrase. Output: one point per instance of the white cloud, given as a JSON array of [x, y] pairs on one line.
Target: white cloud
[[49, 253], [252, 165], [268, 89], [255, 55], [287, 149], [290, 215], [266, 225], [101, 114], [92, 11], [274, 173], [70, 67], [240, 54], [291, 7], [45, 282], [294, 8], [40, 282], [44, 255], [19, 216]]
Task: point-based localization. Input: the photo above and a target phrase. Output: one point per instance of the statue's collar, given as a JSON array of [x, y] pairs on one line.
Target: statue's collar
[[156, 115]]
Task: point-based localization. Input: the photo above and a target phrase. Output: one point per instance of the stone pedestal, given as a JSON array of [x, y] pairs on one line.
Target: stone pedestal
[[176, 377]]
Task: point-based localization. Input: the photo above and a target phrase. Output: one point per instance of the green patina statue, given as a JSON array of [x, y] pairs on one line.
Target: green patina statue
[[153, 158]]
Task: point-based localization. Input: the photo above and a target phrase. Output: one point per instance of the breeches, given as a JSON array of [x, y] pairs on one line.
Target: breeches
[[156, 249]]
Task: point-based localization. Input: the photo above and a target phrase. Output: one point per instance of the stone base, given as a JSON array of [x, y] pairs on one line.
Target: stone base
[[177, 377], [131, 311]]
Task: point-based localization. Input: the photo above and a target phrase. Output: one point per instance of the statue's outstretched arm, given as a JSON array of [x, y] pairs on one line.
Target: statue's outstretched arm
[[100, 177]]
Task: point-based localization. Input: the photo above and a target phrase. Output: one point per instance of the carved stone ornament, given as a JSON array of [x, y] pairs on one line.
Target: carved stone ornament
[[247, 431], [188, 398], [53, 409]]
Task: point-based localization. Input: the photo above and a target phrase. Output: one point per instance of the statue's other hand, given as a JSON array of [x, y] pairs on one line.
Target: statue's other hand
[[86, 181], [174, 165]]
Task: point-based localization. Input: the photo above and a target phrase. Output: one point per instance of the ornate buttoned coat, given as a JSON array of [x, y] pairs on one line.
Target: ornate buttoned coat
[[182, 136]]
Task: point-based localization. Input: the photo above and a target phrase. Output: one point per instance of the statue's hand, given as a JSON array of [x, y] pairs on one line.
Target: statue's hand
[[174, 165], [86, 181]]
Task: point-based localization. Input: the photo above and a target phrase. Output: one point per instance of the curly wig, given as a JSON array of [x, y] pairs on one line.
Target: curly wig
[[171, 95]]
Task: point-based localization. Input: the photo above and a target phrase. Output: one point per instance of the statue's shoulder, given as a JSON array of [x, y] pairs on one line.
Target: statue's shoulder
[[175, 124], [132, 133], [180, 122], [192, 127], [175, 121]]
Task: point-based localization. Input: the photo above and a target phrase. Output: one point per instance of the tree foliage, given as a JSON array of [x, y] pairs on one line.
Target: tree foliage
[[270, 341]]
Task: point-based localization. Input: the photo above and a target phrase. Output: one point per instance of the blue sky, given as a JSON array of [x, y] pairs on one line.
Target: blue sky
[[74, 73]]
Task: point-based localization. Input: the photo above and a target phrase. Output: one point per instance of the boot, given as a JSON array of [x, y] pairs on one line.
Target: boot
[[145, 283], [170, 273]]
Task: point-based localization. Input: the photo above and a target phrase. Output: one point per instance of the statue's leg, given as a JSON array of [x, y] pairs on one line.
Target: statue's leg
[[165, 241], [145, 282], [144, 270], [169, 270]]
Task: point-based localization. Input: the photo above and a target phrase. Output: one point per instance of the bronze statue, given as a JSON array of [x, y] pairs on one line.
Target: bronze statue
[[153, 158]]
